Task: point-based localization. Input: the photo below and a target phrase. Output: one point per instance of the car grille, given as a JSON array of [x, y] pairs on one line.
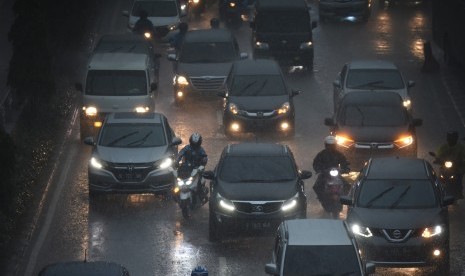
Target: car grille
[[262, 207], [208, 83], [284, 45], [396, 235], [130, 172], [365, 145], [162, 30]]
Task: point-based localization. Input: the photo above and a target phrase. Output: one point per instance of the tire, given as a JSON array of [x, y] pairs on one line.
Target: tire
[[214, 229], [185, 209]]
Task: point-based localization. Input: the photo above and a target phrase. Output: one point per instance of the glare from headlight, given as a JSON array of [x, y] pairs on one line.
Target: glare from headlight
[[344, 141], [407, 103], [225, 204], [284, 126], [91, 111], [361, 231], [289, 205], [233, 108], [147, 35], [404, 141], [306, 45], [448, 164], [235, 127], [166, 163], [96, 163], [262, 45], [141, 109], [181, 80], [232, 4], [334, 173], [431, 231], [284, 108]]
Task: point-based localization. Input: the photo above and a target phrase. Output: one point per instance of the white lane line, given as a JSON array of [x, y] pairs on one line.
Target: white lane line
[[223, 268]]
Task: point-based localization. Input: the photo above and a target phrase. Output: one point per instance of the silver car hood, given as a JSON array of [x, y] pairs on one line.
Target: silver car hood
[[204, 69], [131, 155], [402, 92]]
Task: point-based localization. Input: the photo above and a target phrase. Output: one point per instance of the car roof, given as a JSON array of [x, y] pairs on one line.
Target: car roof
[[134, 117], [316, 232], [209, 35], [397, 168], [122, 43], [372, 64], [256, 67], [77, 268], [118, 61], [372, 97], [256, 149], [280, 4]]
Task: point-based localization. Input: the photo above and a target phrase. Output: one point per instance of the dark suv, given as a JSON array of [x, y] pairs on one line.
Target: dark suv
[[283, 30], [373, 123], [258, 98], [398, 214], [255, 186]]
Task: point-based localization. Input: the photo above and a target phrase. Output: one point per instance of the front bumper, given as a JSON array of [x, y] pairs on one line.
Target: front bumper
[[289, 57], [260, 123]]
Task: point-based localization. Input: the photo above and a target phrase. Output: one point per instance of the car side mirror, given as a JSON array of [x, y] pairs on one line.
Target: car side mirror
[[329, 122], [337, 83], [125, 13], [208, 175], [448, 200], [176, 141], [78, 87], [172, 57], [295, 92], [153, 86], [244, 55], [271, 269], [346, 200], [411, 83], [370, 268], [221, 94], [314, 24], [89, 141], [305, 174], [252, 24], [417, 122]]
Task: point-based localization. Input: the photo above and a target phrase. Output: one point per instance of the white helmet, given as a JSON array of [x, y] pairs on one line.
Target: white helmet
[[330, 140]]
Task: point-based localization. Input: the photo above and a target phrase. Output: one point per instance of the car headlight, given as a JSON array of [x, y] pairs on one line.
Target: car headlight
[[284, 108], [407, 103], [306, 45], [432, 231], [164, 163], [232, 4], [334, 172], [404, 141], [448, 164], [361, 231], [262, 45], [96, 163], [181, 80], [172, 27], [142, 109], [290, 204], [224, 203], [233, 108], [90, 110], [344, 141], [187, 182]]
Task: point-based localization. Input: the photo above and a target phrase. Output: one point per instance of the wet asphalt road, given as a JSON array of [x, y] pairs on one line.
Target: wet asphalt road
[[148, 235]]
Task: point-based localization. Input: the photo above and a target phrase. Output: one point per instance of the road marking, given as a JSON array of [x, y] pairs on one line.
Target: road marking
[[223, 269]]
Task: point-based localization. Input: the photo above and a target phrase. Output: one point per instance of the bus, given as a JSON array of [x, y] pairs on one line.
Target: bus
[[448, 23]]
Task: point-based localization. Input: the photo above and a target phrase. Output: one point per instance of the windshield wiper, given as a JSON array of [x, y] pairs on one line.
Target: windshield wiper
[[121, 138], [246, 87], [141, 140], [362, 123], [399, 199], [261, 87], [380, 195]]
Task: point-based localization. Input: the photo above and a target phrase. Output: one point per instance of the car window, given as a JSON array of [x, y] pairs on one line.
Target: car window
[[238, 169], [257, 85], [372, 115], [283, 22], [321, 260], [207, 52], [156, 8], [374, 79], [397, 194], [132, 135], [116, 83]]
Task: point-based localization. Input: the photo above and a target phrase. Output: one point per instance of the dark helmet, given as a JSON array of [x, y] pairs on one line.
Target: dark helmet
[[143, 14], [199, 271], [452, 138], [214, 23], [183, 27], [330, 142], [195, 140]]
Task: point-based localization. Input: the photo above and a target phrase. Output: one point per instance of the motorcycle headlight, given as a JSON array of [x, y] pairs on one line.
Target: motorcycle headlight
[[96, 163], [448, 164], [284, 108], [233, 108], [142, 109], [361, 231], [334, 173], [182, 182], [262, 45], [431, 231], [306, 45], [344, 141], [290, 204], [181, 80], [90, 110], [232, 4], [407, 103], [147, 35], [172, 27], [224, 203], [404, 141], [164, 163]]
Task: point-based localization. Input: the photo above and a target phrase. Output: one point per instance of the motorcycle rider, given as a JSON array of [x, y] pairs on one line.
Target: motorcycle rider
[[456, 152], [177, 39], [143, 24], [326, 159]]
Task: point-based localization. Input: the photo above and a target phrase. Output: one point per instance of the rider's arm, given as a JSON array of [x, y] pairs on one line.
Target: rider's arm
[[181, 154], [204, 157]]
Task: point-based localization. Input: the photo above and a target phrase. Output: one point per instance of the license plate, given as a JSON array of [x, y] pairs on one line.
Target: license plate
[[259, 225], [400, 252]]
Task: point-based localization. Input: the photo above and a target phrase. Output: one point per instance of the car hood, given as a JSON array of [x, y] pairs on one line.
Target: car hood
[[251, 191], [374, 134], [132, 155], [259, 102], [204, 69], [156, 21], [402, 92], [396, 218]]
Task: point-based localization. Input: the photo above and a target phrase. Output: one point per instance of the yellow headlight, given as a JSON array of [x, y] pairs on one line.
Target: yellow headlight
[[431, 231], [232, 4], [141, 109], [181, 80], [233, 108], [448, 164], [90, 111], [147, 35], [344, 141], [284, 108], [404, 141]]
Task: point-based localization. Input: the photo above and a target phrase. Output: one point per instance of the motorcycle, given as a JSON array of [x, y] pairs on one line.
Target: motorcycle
[[231, 12], [331, 186], [190, 191], [197, 7], [447, 174]]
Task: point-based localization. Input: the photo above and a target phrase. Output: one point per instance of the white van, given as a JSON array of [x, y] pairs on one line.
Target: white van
[[116, 82]]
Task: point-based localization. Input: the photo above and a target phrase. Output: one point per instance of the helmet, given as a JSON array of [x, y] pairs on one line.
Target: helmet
[[330, 142], [143, 14], [452, 138], [183, 27], [214, 23], [199, 271], [195, 140]]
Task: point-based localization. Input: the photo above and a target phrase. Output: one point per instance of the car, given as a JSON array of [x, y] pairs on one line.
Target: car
[[398, 212], [283, 30], [165, 16], [371, 75], [351, 10], [79, 268], [258, 98], [316, 247], [254, 187], [369, 124], [133, 153], [203, 62]]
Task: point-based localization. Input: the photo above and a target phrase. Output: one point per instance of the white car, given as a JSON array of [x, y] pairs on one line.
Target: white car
[[371, 75]]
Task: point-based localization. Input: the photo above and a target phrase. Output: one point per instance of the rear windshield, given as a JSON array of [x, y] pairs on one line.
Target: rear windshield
[[353, 115], [283, 22], [134, 135], [207, 52], [238, 169], [374, 79], [156, 8], [257, 85], [321, 260], [116, 83]]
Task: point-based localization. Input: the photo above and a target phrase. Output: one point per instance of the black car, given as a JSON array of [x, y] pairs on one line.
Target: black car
[[283, 30], [257, 98], [373, 123], [255, 186], [398, 213]]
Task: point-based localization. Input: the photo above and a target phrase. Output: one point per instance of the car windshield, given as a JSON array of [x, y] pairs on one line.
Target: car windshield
[[132, 135], [207, 52], [283, 22], [257, 85], [374, 79], [116, 83], [238, 169], [397, 194], [156, 8], [353, 115], [321, 260]]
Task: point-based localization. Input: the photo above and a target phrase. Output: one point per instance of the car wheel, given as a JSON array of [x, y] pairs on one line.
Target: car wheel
[[214, 228]]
